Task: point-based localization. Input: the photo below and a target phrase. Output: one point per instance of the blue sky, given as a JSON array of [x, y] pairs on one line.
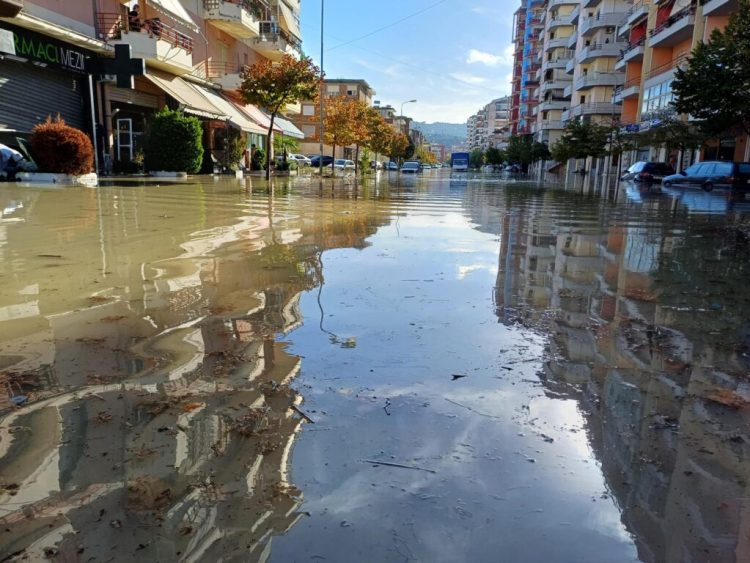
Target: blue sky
[[454, 57]]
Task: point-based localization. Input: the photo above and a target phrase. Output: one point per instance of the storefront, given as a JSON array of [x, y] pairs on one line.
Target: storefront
[[40, 77]]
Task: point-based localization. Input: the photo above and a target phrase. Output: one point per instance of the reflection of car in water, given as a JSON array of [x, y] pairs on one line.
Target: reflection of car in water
[[458, 183], [699, 201]]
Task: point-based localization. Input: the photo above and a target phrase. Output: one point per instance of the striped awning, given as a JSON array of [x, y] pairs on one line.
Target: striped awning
[[234, 114], [190, 100], [176, 11]]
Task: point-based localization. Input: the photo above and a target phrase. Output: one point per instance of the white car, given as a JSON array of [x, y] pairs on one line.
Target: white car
[[301, 159], [343, 164]]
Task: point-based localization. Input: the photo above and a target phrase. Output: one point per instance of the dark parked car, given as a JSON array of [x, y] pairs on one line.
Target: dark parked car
[[315, 160], [712, 174], [410, 167], [648, 172]]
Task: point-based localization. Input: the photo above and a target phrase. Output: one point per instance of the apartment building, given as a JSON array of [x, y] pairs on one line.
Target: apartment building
[[491, 125], [308, 120], [658, 38], [59, 57], [519, 26], [399, 123]]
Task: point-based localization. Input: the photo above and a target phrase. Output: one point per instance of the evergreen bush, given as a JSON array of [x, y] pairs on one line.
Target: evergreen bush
[[61, 149], [174, 143], [259, 159]]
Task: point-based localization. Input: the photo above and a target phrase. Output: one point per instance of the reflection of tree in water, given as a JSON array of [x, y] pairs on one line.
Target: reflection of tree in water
[[648, 333], [187, 458]]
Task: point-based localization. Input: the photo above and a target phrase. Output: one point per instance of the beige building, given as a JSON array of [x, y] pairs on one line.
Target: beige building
[[194, 52], [308, 120]]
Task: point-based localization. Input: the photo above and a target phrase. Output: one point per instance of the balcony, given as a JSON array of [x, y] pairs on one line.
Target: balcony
[[599, 50], [591, 3], [161, 45], [599, 79], [565, 116], [238, 18], [575, 14], [554, 104], [719, 7], [552, 3], [570, 66], [589, 26], [662, 73], [560, 42], [568, 91], [559, 61], [559, 21], [555, 85], [572, 40], [227, 75], [548, 124], [636, 14], [634, 51], [676, 29], [274, 43], [630, 89], [595, 108]]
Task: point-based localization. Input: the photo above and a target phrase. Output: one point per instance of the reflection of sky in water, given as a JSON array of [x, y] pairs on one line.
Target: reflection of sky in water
[[514, 477]]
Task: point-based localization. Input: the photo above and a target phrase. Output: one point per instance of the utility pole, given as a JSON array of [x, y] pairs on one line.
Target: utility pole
[[322, 84]]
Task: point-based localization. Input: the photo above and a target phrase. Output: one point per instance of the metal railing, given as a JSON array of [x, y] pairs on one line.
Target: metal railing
[[661, 69], [630, 46], [271, 32], [115, 27], [260, 9], [673, 19]]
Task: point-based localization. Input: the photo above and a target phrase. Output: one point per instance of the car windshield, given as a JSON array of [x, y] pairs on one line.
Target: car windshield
[[723, 169], [339, 161]]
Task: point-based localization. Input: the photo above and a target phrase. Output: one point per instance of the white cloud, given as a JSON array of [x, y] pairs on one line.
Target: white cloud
[[468, 78], [490, 59]]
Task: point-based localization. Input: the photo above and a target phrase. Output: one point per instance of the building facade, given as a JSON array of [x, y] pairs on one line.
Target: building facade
[[60, 57], [491, 125], [308, 120]]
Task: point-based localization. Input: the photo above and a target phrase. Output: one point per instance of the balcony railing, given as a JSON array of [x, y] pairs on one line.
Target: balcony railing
[[666, 67], [270, 31], [673, 19], [260, 9], [677, 27], [602, 19], [113, 27]]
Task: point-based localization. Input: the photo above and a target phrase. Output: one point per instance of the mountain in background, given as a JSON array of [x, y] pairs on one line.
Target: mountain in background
[[447, 134]]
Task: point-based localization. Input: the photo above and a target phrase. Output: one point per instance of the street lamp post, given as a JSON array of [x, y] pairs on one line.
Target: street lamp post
[[322, 84]]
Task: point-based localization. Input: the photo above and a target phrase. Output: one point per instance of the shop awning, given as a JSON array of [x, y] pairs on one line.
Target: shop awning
[[190, 100], [236, 117], [261, 118], [288, 21], [175, 10], [288, 128]]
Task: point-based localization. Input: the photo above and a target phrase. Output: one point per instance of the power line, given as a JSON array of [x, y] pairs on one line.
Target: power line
[[370, 34]]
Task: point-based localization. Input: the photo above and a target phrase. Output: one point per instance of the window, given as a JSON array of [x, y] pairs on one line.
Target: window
[[308, 109], [350, 92], [332, 89], [583, 99], [705, 170], [723, 169], [692, 170], [309, 130]]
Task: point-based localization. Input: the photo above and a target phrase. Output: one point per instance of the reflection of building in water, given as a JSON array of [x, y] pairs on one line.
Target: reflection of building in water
[[637, 329], [171, 433]]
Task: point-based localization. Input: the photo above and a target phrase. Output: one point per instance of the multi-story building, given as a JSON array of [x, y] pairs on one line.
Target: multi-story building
[[659, 37], [519, 27], [308, 121], [491, 125], [399, 123], [57, 57]]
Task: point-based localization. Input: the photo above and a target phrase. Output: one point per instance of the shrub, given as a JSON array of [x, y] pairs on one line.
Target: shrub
[[174, 143], [61, 149]]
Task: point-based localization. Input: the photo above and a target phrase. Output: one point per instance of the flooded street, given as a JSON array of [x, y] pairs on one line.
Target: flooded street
[[438, 369]]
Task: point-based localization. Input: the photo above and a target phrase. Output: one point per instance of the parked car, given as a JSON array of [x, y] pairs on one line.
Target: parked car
[[712, 174], [300, 159], [425, 166], [392, 165], [376, 165], [648, 172], [410, 167], [315, 160], [343, 164]]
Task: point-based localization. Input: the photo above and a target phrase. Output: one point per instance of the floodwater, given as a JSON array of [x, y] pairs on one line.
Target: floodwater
[[444, 370]]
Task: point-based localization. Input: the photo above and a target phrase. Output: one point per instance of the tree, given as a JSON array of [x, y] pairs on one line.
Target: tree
[[285, 144], [494, 156], [581, 139], [715, 87], [476, 158], [379, 132], [174, 142], [276, 85], [341, 113], [400, 146], [360, 129]]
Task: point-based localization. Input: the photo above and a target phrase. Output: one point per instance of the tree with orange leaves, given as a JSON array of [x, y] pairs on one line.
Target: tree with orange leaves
[[341, 114], [273, 86]]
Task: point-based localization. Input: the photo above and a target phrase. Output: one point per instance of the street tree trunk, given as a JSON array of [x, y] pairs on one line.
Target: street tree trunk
[[356, 160], [333, 162], [269, 143]]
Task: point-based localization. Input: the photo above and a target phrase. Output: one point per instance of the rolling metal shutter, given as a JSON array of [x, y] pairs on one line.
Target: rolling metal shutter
[[28, 94]]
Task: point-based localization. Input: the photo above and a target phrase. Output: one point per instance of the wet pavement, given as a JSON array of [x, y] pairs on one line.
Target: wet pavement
[[433, 369]]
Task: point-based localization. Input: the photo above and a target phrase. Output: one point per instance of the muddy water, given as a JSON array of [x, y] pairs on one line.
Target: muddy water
[[435, 370]]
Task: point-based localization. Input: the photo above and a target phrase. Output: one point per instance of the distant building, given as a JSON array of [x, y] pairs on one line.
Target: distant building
[[308, 121], [490, 126]]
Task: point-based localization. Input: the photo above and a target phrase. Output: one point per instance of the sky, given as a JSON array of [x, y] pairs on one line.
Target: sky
[[452, 56]]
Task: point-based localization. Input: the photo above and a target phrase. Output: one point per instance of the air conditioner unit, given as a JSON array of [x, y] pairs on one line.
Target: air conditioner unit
[[610, 29], [108, 78]]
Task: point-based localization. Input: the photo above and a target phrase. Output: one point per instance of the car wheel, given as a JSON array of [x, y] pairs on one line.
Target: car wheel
[[708, 186]]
